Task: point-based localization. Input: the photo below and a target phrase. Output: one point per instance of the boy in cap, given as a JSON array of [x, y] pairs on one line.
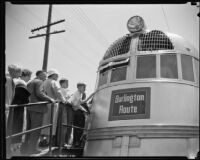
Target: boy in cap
[[78, 119]]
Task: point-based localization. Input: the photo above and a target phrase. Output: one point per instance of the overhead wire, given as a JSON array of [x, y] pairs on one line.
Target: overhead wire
[[165, 17], [18, 20], [90, 47], [92, 25], [37, 17], [28, 29], [88, 29], [68, 56], [76, 51], [84, 56], [85, 62]]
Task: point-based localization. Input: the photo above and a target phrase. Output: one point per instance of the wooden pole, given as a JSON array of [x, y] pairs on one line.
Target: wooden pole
[[46, 48]]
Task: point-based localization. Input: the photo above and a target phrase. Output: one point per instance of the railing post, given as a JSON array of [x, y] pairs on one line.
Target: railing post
[[9, 131], [60, 127], [51, 122]]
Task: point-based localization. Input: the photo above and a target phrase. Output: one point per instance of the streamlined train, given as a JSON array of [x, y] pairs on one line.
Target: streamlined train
[[147, 100]]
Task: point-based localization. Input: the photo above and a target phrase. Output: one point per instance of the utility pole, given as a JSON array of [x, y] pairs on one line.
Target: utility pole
[[46, 48]]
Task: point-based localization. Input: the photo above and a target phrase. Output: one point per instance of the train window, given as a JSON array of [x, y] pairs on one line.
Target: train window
[[196, 63], [187, 68], [118, 74], [103, 77], [146, 66], [169, 66]]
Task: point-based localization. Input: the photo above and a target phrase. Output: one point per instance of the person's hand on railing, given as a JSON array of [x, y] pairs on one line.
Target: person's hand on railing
[[52, 100], [7, 107], [64, 101]]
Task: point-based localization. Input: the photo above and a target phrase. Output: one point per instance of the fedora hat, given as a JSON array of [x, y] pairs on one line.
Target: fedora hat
[[52, 71]]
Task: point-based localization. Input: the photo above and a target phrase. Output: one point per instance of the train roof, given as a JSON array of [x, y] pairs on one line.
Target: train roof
[[149, 41]]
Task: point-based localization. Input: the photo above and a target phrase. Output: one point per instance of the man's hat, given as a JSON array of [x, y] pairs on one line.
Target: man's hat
[[81, 84], [52, 71]]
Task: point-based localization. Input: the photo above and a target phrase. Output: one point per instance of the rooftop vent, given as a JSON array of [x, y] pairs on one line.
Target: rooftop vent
[[119, 47], [154, 40]]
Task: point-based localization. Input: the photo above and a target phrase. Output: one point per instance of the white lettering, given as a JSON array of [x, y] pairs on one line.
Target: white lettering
[[116, 98], [130, 99], [124, 110], [140, 97], [135, 109], [121, 109]]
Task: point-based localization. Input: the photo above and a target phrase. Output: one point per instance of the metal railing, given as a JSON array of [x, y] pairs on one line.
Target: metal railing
[[61, 125], [9, 135]]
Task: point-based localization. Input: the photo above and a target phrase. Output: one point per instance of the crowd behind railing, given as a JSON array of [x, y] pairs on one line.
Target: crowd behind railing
[[31, 124]]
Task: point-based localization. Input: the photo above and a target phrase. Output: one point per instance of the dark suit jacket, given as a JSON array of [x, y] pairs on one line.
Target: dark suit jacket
[[21, 95], [37, 95]]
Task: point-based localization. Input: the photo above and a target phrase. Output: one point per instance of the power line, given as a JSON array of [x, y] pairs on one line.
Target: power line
[[90, 28], [33, 14], [68, 56], [83, 23], [86, 58], [92, 25], [73, 46], [165, 17], [46, 48], [19, 22], [57, 48]]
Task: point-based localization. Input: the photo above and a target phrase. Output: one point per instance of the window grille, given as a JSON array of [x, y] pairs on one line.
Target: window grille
[[154, 40], [119, 47]]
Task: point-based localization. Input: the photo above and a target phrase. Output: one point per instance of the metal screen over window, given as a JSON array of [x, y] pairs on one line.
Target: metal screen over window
[[168, 66], [187, 68], [146, 66], [118, 74], [154, 40], [103, 77], [119, 47]]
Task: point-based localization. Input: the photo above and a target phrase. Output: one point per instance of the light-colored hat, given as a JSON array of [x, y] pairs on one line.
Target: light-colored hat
[[52, 71]]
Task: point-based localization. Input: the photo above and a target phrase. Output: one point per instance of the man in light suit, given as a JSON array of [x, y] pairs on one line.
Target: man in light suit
[[35, 113]]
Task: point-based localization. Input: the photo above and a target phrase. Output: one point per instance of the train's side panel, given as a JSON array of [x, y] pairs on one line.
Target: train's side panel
[[171, 130], [170, 104]]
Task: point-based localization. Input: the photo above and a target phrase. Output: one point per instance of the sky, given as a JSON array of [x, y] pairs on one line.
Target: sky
[[89, 31]]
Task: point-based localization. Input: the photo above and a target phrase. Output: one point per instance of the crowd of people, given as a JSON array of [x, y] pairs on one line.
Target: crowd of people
[[71, 109]]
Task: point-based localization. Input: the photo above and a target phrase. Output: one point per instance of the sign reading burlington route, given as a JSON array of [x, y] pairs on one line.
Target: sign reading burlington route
[[131, 103]]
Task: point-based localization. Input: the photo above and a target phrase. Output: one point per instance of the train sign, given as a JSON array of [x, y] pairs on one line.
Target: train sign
[[131, 103]]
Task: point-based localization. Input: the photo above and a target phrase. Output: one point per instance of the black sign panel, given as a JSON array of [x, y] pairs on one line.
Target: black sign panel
[[131, 103]]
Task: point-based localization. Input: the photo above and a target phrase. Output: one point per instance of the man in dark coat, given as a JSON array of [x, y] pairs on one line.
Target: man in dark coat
[[36, 112], [21, 97]]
